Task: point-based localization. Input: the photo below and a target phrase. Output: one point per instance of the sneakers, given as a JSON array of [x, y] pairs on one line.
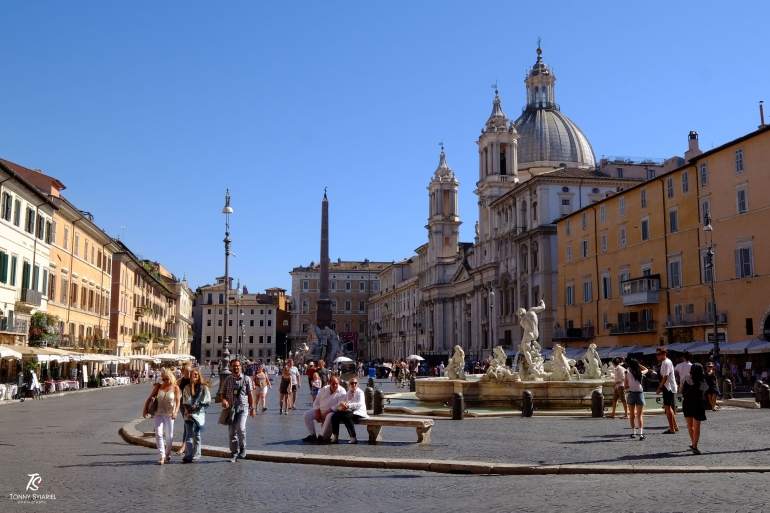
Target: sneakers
[[280, 412], [233, 458], [633, 436], [242, 454], [285, 412], [334, 440], [187, 460], [353, 441], [309, 439], [641, 437]]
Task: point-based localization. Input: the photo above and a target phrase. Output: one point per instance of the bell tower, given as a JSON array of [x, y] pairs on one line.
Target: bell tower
[[498, 163], [443, 218]]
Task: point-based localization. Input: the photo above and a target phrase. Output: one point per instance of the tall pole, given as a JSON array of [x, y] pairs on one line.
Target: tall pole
[[708, 228], [224, 367]]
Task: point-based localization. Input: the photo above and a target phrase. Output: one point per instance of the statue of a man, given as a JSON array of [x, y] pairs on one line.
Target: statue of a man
[[529, 348]]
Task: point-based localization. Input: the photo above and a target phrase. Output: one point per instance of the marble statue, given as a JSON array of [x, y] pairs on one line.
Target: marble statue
[[497, 371], [455, 369], [476, 228], [324, 344], [530, 360], [593, 363], [563, 367], [608, 371], [299, 354]]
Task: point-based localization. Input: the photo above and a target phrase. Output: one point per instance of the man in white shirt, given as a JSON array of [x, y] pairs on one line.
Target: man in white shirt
[[619, 374], [441, 369], [683, 369], [296, 382], [668, 387], [325, 403]]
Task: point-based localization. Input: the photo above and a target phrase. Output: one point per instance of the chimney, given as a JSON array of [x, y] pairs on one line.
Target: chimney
[[693, 150], [762, 115]]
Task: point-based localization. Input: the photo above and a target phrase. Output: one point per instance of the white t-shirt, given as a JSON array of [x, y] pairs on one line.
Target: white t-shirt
[[294, 375], [633, 385], [683, 370], [620, 373], [667, 369]]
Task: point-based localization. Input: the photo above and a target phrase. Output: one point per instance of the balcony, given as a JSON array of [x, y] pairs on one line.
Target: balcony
[[16, 327], [574, 334], [31, 297], [641, 291], [695, 319], [632, 328]]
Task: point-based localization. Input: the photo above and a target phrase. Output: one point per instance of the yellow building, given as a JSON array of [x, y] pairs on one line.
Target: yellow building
[[79, 286], [634, 267], [142, 308]]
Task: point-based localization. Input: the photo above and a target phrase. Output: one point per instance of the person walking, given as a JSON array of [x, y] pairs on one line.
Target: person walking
[[352, 408], [196, 397], [619, 391], [712, 392], [261, 385], [668, 388], [237, 392], [183, 382], [284, 391], [323, 372], [315, 386], [167, 397], [296, 383], [633, 383], [692, 404]]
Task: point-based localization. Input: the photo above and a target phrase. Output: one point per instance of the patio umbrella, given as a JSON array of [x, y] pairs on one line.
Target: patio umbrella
[[415, 357], [342, 359]]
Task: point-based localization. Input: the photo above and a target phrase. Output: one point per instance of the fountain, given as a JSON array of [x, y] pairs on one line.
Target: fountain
[[555, 384]]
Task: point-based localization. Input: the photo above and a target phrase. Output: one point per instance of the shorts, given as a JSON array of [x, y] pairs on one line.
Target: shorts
[[294, 388], [262, 391], [636, 399], [668, 397], [618, 394]]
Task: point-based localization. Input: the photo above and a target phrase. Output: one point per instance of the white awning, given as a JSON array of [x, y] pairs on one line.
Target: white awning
[[742, 347], [9, 352]]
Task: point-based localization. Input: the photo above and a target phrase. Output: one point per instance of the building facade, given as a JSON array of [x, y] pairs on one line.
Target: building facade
[[26, 220], [80, 281], [634, 268], [254, 322], [351, 285], [142, 308], [181, 335]]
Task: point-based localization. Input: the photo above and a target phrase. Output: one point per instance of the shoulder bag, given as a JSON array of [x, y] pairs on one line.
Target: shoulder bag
[[228, 415], [153, 407]]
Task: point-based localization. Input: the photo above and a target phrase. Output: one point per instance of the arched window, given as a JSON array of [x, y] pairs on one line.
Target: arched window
[[524, 258], [534, 255], [537, 97]]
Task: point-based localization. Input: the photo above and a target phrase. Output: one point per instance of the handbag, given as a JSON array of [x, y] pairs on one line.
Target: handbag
[[153, 407]]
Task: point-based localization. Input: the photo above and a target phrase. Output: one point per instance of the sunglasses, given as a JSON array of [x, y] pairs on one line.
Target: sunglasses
[[353, 383]]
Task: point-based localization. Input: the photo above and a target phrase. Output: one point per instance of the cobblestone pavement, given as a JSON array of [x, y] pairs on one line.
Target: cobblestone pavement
[[72, 442]]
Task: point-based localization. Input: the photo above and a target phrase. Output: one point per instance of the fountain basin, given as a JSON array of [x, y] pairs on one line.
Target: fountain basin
[[549, 394]]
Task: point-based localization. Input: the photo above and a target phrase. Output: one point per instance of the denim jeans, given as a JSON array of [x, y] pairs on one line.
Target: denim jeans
[[238, 432], [192, 439]]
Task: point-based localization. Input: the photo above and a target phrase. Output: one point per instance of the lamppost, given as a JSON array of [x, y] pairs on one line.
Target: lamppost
[[286, 340], [224, 364], [241, 333], [709, 230], [491, 317]]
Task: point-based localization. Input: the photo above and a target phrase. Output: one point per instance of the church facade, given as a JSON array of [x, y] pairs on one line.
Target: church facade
[[532, 171]]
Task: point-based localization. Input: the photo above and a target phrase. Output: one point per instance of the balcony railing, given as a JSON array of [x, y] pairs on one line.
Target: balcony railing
[[631, 328], [32, 297], [573, 333], [695, 319], [641, 291], [16, 327]]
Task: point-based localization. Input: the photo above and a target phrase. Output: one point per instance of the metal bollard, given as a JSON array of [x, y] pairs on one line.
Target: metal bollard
[[727, 389], [597, 404], [458, 406], [370, 383], [412, 386], [527, 406], [757, 384], [764, 396], [368, 393], [377, 404]]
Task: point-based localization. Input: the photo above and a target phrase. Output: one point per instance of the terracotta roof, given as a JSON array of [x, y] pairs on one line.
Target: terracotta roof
[[346, 266]]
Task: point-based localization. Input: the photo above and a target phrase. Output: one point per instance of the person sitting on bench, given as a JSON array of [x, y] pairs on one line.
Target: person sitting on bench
[[348, 412], [326, 401]]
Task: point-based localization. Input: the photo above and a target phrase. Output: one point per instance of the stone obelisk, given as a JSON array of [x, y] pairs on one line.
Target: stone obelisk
[[324, 304]]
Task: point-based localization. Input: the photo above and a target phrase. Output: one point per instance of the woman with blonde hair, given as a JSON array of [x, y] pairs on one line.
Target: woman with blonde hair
[[167, 398], [195, 399], [284, 399], [261, 385]]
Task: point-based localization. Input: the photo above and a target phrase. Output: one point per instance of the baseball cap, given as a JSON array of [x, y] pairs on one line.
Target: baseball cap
[[709, 364]]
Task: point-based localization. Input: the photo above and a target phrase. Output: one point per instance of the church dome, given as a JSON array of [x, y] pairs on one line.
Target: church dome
[[548, 138]]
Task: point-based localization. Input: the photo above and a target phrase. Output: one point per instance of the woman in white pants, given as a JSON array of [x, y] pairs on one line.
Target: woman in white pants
[[168, 397]]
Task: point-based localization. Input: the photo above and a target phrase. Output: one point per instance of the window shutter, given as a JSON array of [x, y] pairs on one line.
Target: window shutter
[[3, 267], [738, 263]]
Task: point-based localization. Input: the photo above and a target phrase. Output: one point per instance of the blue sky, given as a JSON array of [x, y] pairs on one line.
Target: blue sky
[[148, 111]]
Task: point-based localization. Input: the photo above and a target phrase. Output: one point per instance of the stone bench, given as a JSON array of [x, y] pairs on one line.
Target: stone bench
[[375, 424]]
